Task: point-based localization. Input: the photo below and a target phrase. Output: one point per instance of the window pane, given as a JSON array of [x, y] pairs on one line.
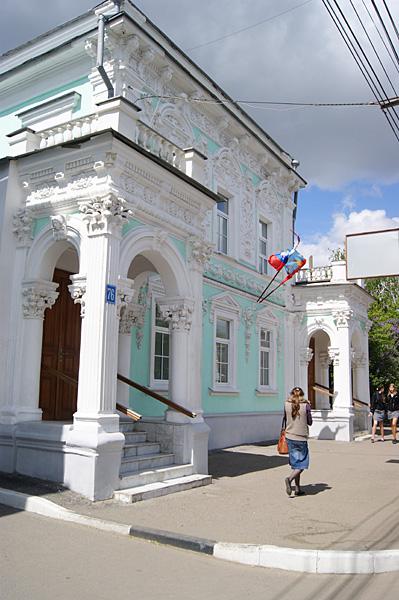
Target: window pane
[[223, 206], [263, 230], [159, 322], [166, 369], [158, 367], [166, 344], [158, 343], [223, 329]]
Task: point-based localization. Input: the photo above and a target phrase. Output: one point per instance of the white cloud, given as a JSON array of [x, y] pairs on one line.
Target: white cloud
[[355, 222]]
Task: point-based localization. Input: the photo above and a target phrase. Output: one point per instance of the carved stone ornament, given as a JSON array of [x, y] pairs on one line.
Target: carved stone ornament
[[358, 359], [37, 295], [248, 318], [77, 289], [200, 252], [23, 226], [105, 214], [306, 355], [333, 354], [324, 359], [133, 315], [342, 317], [178, 311], [59, 225], [124, 295]]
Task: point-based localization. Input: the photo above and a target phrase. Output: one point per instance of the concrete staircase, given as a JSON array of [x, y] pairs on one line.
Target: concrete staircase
[[146, 472]]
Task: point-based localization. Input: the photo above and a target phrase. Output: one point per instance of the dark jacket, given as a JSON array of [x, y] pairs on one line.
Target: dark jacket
[[393, 401], [378, 402]]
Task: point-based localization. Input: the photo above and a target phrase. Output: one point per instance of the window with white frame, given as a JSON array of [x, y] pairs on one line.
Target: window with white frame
[[160, 350], [265, 357], [225, 315], [263, 247], [222, 225], [267, 328], [223, 351]]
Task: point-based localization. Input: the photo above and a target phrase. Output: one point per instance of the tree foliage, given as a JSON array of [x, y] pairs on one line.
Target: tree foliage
[[384, 332]]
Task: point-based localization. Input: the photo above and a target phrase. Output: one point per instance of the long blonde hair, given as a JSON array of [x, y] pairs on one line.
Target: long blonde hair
[[295, 399]]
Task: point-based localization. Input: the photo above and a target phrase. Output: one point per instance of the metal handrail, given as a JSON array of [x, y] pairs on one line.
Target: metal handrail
[[360, 402], [126, 411], [156, 396]]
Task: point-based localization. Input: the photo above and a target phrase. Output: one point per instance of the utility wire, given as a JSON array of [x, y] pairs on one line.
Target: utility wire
[[373, 47], [391, 19], [386, 31], [358, 61], [223, 37], [382, 89], [381, 38]]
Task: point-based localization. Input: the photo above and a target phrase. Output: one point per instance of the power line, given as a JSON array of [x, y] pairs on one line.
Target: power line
[[355, 55], [223, 37], [386, 31], [391, 19], [381, 38], [373, 47]]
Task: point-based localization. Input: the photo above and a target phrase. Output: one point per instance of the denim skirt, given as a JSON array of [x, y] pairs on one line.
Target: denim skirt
[[298, 452], [379, 415]]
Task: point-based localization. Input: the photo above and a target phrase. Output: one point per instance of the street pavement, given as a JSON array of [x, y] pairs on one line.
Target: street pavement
[[351, 501], [43, 559]]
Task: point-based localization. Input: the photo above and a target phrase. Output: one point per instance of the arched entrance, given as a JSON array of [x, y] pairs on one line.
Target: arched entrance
[[320, 372], [61, 346]]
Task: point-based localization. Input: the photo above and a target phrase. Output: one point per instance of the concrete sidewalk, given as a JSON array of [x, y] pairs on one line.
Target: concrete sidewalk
[[351, 502]]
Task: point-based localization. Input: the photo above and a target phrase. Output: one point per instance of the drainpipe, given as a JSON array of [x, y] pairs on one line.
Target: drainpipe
[[294, 214], [100, 56]]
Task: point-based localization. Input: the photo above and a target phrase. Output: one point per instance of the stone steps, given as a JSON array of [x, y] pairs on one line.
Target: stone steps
[[161, 488], [129, 480], [133, 464], [146, 472]]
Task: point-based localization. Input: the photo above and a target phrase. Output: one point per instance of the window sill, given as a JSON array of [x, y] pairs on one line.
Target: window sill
[[266, 392], [223, 391]]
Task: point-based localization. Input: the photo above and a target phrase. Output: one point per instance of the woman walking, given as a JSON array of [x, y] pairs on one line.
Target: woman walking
[[298, 418], [378, 407], [393, 409]]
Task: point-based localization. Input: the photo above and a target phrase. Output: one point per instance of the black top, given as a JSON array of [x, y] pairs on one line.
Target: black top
[[393, 401], [378, 402]]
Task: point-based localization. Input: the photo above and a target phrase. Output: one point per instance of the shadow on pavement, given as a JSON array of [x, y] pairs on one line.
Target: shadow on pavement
[[225, 463], [315, 488]]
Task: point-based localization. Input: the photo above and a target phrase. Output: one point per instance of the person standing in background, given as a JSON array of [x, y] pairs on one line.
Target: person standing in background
[[298, 418], [393, 409], [378, 407]]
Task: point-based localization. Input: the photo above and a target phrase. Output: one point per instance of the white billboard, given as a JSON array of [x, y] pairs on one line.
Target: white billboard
[[372, 254]]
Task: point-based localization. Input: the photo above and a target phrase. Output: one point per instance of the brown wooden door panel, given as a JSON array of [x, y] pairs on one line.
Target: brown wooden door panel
[[311, 375], [60, 352]]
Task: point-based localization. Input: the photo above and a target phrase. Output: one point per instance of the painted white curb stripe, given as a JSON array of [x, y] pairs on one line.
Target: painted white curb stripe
[[273, 557], [309, 561], [42, 506]]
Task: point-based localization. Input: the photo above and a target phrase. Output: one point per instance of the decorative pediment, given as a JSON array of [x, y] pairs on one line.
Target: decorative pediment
[[174, 126], [226, 304]]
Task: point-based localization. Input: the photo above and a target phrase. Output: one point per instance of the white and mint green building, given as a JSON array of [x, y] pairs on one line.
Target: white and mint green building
[[136, 219]]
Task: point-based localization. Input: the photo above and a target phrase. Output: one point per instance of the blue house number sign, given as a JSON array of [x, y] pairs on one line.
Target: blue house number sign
[[110, 295]]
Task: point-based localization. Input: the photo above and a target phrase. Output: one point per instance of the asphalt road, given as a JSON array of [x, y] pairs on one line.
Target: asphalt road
[[43, 559]]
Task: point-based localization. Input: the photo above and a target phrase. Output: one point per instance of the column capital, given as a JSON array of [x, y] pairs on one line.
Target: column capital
[[105, 214], [77, 289], [306, 355], [178, 311], [124, 295], [37, 295], [333, 354], [23, 226], [342, 318]]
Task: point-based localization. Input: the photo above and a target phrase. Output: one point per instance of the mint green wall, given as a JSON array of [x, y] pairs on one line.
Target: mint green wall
[[247, 372], [140, 372], [9, 122], [39, 224], [132, 224]]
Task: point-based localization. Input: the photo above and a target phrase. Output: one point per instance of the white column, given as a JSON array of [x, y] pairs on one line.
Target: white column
[[305, 356], [126, 322], [96, 424], [179, 312], [322, 400], [37, 295], [343, 407]]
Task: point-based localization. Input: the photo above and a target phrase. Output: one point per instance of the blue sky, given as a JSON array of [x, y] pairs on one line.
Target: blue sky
[[349, 156]]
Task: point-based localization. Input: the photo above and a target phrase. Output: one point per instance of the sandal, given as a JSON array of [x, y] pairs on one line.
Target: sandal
[[288, 487]]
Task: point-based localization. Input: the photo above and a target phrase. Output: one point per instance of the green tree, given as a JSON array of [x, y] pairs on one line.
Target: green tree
[[384, 332]]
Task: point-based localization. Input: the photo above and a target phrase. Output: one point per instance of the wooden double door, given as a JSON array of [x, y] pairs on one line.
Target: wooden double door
[[60, 354]]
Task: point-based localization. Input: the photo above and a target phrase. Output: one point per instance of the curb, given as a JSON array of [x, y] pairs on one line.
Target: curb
[[272, 557]]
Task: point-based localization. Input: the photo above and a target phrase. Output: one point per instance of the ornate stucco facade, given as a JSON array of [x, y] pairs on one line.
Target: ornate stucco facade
[[127, 180]]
